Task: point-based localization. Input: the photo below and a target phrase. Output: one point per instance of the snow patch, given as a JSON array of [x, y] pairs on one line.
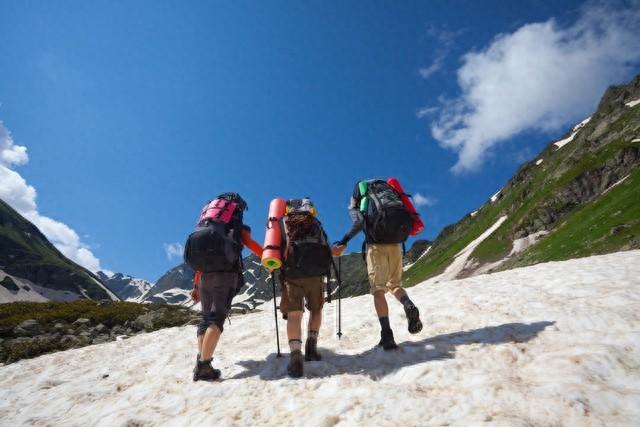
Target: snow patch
[[458, 264], [474, 213], [408, 266], [615, 184], [635, 140], [633, 103], [29, 291], [539, 161], [550, 344], [574, 132], [495, 196]]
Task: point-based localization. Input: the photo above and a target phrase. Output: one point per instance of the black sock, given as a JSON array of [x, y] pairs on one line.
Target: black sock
[[384, 323], [406, 302]]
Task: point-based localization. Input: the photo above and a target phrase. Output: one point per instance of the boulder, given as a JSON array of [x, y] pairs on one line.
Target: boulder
[[28, 328], [69, 341], [101, 339], [82, 323]]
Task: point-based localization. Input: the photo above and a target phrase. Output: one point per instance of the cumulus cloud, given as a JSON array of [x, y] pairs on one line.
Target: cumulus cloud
[[420, 200], [11, 154], [173, 250], [542, 77], [15, 191]]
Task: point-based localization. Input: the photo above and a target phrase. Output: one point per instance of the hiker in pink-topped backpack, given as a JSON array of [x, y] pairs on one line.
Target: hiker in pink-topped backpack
[[214, 252]]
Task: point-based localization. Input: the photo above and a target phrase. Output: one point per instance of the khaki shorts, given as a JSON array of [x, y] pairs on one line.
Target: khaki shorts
[[384, 266], [307, 288]]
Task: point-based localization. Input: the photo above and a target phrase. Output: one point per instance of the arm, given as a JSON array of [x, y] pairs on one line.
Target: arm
[[358, 224], [195, 292], [357, 220], [251, 244]]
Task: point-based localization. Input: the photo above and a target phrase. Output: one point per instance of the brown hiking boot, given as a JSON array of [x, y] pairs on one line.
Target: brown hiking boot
[[311, 350], [296, 364], [205, 372]]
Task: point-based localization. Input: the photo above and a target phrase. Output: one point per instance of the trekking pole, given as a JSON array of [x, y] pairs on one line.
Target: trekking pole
[[339, 279], [275, 312]]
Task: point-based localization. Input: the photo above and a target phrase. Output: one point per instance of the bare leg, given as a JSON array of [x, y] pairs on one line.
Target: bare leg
[[399, 293], [315, 320], [380, 302], [210, 342], [294, 325]]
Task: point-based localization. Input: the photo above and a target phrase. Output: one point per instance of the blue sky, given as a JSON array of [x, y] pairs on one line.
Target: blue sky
[[120, 119]]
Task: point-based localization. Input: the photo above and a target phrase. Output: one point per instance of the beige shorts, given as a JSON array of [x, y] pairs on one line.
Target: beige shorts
[[307, 288], [384, 266]]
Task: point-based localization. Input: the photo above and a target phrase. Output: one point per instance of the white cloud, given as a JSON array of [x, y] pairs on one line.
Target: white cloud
[[15, 191], [445, 41], [11, 154], [541, 77], [173, 250], [421, 200]]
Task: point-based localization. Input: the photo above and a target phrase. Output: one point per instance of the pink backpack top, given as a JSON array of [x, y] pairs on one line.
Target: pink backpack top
[[218, 210]]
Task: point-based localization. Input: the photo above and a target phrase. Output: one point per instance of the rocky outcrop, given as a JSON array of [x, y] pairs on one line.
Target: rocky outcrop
[[31, 337]]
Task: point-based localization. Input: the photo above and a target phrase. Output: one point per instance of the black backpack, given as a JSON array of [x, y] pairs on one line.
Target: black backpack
[[306, 252], [216, 245], [387, 220]]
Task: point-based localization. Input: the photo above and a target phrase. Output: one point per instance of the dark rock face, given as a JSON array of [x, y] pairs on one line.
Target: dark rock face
[[9, 284], [417, 249], [583, 189]]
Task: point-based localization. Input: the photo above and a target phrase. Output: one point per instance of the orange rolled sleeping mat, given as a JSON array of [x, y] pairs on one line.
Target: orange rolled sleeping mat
[[271, 257]]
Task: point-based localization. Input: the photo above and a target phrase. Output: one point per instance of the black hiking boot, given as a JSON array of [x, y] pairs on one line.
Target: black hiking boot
[[296, 364], [386, 340], [311, 350], [413, 318], [205, 372]]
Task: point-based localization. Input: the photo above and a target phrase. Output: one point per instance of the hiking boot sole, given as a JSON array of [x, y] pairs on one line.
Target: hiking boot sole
[[413, 317]]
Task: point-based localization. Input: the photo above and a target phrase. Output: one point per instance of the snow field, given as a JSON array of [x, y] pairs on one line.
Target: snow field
[[551, 344]]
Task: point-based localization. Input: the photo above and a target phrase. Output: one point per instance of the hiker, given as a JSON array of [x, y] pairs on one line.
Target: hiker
[[306, 262], [214, 252], [377, 208]]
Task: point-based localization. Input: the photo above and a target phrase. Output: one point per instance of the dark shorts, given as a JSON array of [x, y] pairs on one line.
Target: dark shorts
[[216, 293], [307, 288]]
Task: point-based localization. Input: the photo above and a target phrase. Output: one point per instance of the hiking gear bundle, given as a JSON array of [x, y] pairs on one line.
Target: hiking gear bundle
[[301, 205], [387, 219], [272, 253], [418, 225], [306, 252], [215, 245]]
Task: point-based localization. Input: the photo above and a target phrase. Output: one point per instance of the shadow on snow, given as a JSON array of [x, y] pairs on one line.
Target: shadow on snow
[[377, 363]]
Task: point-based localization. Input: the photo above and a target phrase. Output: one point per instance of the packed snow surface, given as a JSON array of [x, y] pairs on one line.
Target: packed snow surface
[[633, 103], [551, 344], [574, 132]]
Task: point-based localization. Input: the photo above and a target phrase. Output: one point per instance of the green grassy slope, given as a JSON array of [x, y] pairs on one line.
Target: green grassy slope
[[561, 194], [25, 252]]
